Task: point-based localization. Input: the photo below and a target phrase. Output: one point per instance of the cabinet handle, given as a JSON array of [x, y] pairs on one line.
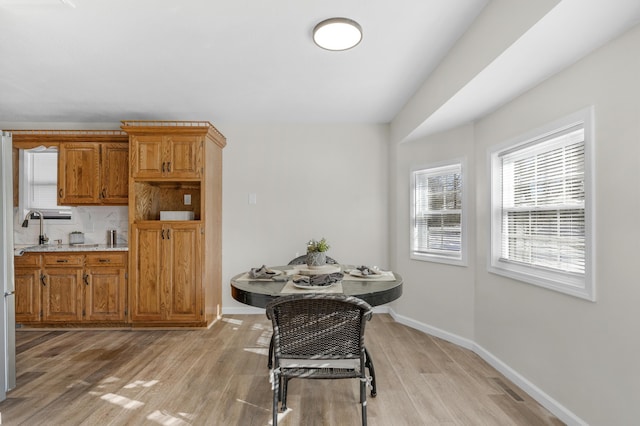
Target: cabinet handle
[[168, 234], [60, 193], [169, 166], [162, 234], [42, 277], [163, 163], [103, 194], [62, 260], [86, 279], [104, 260]]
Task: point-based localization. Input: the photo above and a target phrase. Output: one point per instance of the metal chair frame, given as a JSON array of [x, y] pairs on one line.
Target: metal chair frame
[[318, 336]]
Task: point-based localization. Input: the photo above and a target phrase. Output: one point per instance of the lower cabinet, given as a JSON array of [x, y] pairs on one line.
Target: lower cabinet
[[167, 277], [71, 288], [62, 287], [105, 287], [28, 294]]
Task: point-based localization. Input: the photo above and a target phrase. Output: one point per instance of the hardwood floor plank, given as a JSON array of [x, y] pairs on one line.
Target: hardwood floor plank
[[219, 376]]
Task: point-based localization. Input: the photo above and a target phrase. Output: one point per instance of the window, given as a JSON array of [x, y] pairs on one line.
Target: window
[[39, 183], [437, 220], [541, 219]]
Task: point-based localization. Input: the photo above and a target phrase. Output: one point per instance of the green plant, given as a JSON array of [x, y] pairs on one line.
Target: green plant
[[315, 246]]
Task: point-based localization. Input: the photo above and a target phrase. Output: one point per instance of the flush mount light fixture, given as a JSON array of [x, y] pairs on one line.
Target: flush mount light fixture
[[337, 34]]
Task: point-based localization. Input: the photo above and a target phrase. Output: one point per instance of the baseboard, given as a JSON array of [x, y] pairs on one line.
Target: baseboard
[[532, 390], [433, 331], [244, 310]]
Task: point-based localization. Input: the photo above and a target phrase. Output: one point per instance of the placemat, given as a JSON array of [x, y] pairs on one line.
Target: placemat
[[289, 288], [384, 276], [246, 277]]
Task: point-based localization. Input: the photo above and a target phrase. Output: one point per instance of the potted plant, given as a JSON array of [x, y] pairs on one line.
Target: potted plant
[[317, 253]]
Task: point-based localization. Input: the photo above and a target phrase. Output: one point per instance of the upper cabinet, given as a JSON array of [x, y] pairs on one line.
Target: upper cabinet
[[114, 167], [93, 173], [166, 156], [78, 173], [93, 165]]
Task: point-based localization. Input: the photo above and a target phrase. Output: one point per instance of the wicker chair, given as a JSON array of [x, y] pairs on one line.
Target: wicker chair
[[301, 260], [318, 336]]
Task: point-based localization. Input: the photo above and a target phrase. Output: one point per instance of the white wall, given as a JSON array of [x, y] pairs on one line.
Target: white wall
[[310, 181], [580, 356], [583, 354], [435, 294]]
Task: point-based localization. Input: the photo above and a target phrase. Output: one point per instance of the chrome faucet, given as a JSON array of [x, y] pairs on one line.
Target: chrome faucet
[[42, 239]]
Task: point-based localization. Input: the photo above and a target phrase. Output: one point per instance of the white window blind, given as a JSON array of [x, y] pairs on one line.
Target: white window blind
[[543, 206], [437, 212], [543, 201], [43, 178], [39, 183]]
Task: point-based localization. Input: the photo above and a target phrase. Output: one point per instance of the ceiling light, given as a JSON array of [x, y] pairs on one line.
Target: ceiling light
[[337, 34]]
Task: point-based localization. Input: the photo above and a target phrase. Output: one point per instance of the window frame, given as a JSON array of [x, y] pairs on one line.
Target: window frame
[[26, 185], [461, 259], [578, 285]]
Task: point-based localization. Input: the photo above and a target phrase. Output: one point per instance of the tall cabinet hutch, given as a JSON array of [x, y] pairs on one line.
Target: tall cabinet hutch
[[175, 222]]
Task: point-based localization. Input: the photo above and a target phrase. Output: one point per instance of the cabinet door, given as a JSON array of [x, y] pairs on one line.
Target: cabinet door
[[184, 298], [27, 294], [146, 156], [146, 272], [78, 173], [104, 294], [62, 294], [114, 173], [183, 156]]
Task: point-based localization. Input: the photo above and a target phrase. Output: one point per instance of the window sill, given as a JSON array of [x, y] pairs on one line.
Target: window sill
[[439, 259], [552, 281]]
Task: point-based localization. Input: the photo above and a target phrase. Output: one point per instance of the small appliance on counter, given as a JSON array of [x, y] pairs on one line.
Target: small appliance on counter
[[76, 237], [112, 238]]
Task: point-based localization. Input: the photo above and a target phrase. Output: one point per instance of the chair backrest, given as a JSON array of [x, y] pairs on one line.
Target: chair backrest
[[318, 326], [301, 260]]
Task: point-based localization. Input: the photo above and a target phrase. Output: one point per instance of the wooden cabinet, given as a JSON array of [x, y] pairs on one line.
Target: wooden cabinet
[[62, 288], [93, 165], [166, 156], [105, 278], [78, 171], [166, 272], [114, 169], [28, 296], [93, 173], [175, 265], [71, 288]]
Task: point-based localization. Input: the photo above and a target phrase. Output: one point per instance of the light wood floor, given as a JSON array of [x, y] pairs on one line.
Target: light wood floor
[[219, 377]]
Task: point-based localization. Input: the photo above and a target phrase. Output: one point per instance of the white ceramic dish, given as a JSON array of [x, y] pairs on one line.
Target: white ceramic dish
[[307, 286]]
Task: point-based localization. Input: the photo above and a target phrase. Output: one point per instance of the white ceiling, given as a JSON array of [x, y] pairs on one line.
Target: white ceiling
[[218, 60], [254, 60]]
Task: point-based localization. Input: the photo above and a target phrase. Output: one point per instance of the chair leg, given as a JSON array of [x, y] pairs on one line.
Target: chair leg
[[276, 396], [270, 360], [368, 362], [285, 385], [363, 399]]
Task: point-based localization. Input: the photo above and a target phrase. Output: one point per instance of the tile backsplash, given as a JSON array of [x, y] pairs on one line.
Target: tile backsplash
[[94, 221]]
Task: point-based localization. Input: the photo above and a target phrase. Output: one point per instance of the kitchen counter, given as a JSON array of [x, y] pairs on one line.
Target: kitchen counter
[[54, 248]]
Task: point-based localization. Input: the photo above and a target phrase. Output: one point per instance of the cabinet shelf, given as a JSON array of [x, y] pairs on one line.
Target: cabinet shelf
[[152, 197]]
